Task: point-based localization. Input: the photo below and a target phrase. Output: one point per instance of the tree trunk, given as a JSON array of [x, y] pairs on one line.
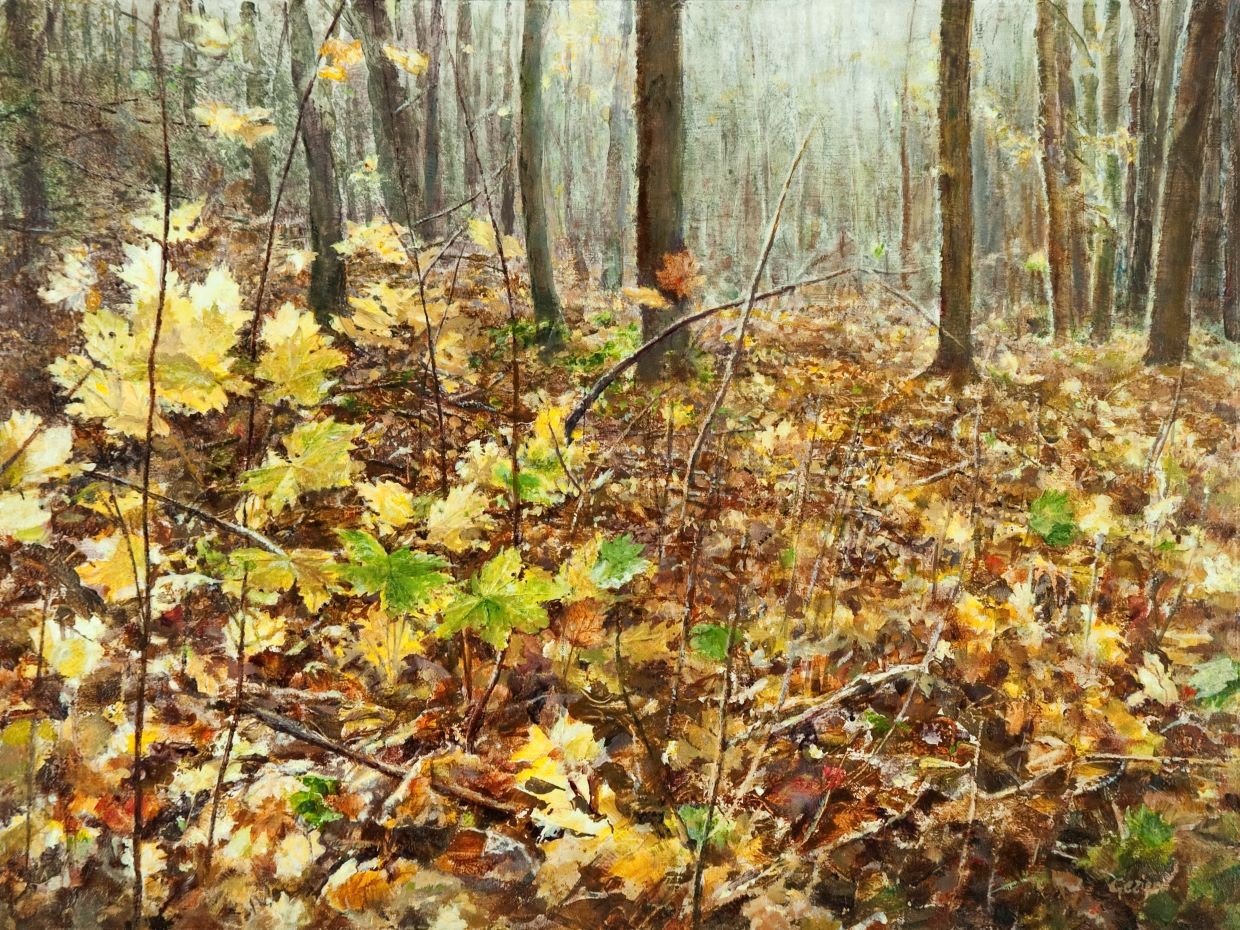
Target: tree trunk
[[1070, 116], [433, 181], [1090, 79], [1147, 38], [660, 167], [117, 45], [470, 81], [955, 352], [255, 96], [1053, 157], [1207, 304], [392, 121], [327, 274], [1170, 322], [189, 60], [1231, 287], [619, 169], [507, 188], [1108, 230], [906, 168], [1153, 147], [25, 52], [549, 321]]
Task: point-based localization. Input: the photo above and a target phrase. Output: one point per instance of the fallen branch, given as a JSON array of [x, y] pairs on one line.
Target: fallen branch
[[608, 378], [223, 524], [439, 785], [862, 684]]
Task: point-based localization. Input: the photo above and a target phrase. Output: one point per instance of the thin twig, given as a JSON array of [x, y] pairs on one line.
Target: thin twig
[[223, 524], [608, 378], [514, 441], [145, 606], [721, 750]]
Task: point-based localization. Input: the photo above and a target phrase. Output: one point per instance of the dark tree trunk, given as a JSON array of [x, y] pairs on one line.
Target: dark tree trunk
[[1170, 322], [660, 166], [392, 121], [25, 52], [1108, 230], [256, 96], [1207, 303], [619, 168], [1058, 254], [1147, 38], [433, 180], [547, 316], [1231, 287], [327, 275], [955, 352], [1153, 147]]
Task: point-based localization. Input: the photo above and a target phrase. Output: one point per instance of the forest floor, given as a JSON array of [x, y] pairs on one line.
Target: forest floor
[[903, 654]]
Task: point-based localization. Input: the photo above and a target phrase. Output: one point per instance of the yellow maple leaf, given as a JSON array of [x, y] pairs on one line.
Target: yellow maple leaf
[[297, 358], [115, 565], [247, 125], [391, 504], [409, 60], [356, 887], [459, 521]]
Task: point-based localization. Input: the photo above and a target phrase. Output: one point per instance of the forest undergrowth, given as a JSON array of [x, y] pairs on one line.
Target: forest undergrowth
[[895, 652]]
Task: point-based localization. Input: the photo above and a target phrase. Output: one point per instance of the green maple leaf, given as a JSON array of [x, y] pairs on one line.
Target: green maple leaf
[[1052, 517], [501, 598], [403, 579], [712, 640], [619, 562]]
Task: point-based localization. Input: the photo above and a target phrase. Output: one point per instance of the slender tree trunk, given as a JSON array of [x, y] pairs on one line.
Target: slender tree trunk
[[955, 352], [1073, 157], [1147, 38], [507, 188], [392, 120], [1231, 288], [117, 46], [327, 273], [1170, 322], [433, 181], [134, 53], [189, 59], [1108, 230], [1147, 215], [88, 44], [619, 168], [660, 166], [1053, 156], [906, 168], [547, 316], [1207, 304], [255, 96], [470, 80], [1090, 79], [25, 53]]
